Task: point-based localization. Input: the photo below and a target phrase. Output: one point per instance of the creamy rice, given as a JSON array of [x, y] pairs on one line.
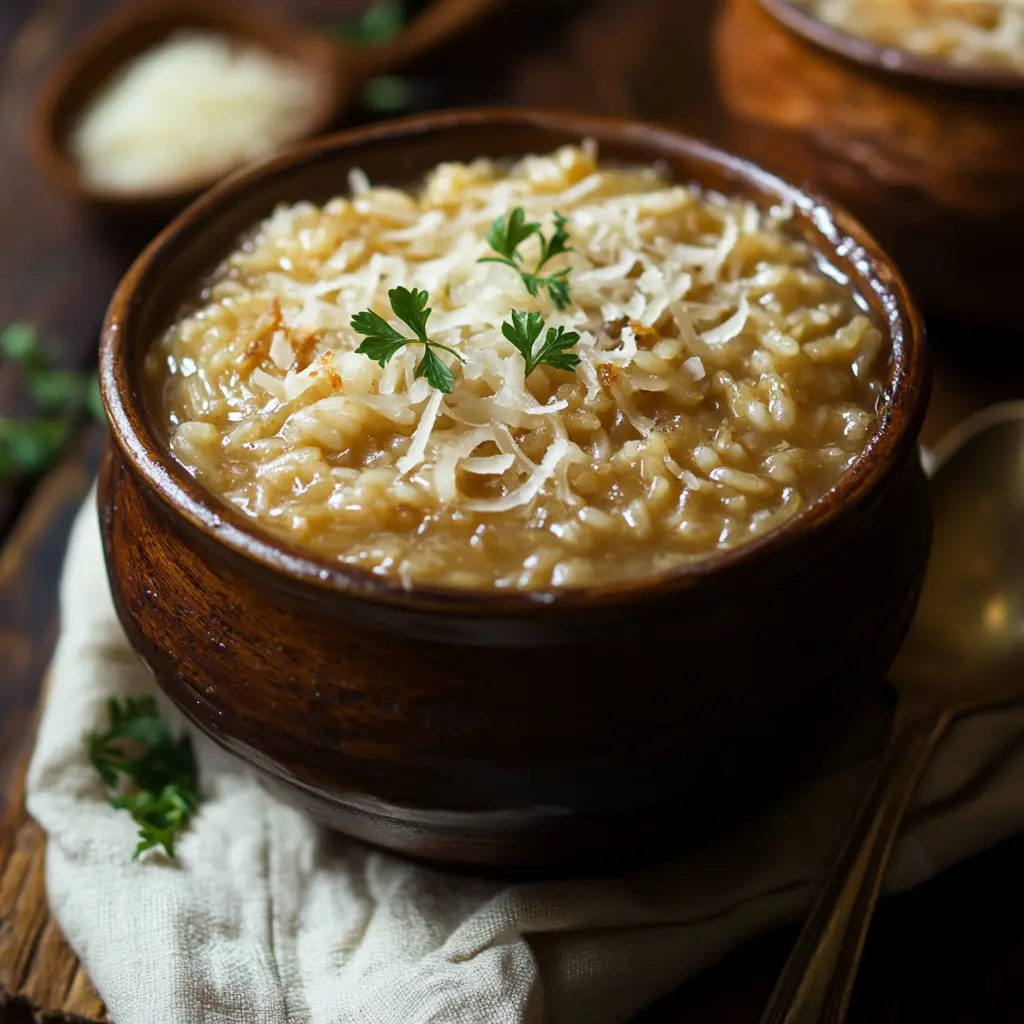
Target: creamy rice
[[726, 379], [983, 33]]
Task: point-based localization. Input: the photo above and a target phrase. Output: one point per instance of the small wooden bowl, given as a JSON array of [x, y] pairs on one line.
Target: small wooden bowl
[[129, 32], [336, 67], [887, 58], [488, 728], [930, 156]]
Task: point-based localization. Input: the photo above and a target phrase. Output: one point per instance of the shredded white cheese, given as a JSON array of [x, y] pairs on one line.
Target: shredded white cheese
[[704, 335], [193, 106], [622, 273], [527, 492], [728, 329], [414, 456]]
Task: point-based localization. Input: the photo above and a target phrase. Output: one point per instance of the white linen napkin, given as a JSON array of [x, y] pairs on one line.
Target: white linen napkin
[[267, 918]]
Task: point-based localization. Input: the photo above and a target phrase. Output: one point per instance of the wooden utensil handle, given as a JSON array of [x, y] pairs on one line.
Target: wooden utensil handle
[[817, 981], [436, 24]]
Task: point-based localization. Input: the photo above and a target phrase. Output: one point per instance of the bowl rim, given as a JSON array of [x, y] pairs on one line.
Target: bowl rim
[[184, 497], [889, 59]]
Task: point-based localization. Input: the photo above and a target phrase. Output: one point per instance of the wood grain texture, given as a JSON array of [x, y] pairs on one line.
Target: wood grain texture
[[40, 979]]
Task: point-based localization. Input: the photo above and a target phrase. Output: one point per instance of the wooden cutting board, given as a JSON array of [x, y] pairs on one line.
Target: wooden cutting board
[[41, 980]]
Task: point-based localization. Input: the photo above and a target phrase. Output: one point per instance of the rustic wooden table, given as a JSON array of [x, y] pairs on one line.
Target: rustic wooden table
[[949, 953]]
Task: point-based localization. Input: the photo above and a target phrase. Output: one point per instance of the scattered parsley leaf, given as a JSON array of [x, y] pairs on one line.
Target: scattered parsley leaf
[[385, 94], [156, 773], [20, 343], [381, 21], [382, 341], [57, 389], [30, 445], [524, 330], [505, 236]]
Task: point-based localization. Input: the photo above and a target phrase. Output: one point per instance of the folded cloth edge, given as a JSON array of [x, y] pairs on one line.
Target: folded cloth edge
[[265, 917]]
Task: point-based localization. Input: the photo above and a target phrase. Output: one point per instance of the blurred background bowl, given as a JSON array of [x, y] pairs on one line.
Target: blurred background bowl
[[928, 156]]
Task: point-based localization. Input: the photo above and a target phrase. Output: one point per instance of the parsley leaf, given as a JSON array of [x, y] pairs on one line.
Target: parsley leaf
[[385, 94], [438, 375], [381, 21], [57, 389], [382, 341], [505, 236], [507, 233], [523, 332], [555, 245], [30, 445], [20, 344], [156, 773], [411, 308]]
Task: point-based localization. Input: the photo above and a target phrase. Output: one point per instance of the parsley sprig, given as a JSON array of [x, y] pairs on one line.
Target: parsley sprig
[[523, 331], [153, 776], [509, 232], [383, 341], [382, 21], [30, 445]]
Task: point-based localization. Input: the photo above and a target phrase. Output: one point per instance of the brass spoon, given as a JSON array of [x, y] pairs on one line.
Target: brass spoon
[[965, 651], [338, 69]]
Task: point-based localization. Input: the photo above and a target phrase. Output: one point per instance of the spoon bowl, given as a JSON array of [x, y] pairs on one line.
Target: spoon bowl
[[966, 645], [336, 69], [964, 652]]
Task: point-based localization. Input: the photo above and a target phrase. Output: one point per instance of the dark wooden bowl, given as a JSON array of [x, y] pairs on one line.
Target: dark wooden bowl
[[928, 155], [537, 729]]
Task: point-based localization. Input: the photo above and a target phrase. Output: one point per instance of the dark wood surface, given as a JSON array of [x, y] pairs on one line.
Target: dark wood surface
[[950, 953]]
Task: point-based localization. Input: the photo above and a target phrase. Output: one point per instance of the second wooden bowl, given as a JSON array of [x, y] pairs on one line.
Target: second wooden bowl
[[931, 159], [494, 728]]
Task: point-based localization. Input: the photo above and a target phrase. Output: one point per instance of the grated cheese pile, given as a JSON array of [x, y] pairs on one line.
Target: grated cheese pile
[[193, 106], [983, 33], [725, 379]]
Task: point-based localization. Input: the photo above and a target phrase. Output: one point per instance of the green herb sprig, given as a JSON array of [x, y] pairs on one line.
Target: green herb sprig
[[153, 775], [30, 445], [509, 232], [383, 341], [524, 329], [382, 21]]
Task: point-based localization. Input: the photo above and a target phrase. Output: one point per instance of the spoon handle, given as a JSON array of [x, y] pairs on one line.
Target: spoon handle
[[440, 20], [817, 981]]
